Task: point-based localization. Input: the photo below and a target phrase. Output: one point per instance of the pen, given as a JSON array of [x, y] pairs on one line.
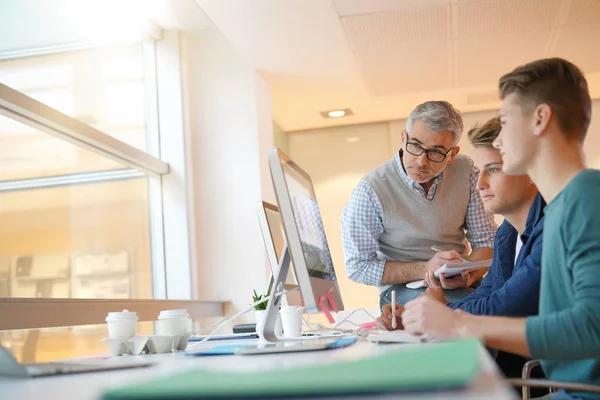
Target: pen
[[394, 309], [435, 248]]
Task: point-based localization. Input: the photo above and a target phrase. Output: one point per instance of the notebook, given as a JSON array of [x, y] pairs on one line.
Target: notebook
[[398, 336], [420, 368]]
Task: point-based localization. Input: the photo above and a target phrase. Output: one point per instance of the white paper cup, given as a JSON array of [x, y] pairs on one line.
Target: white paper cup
[[291, 321], [173, 322], [260, 320], [121, 325], [168, 327]]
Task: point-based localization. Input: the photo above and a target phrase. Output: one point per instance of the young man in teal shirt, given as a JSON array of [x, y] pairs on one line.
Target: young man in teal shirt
[[545, 115]]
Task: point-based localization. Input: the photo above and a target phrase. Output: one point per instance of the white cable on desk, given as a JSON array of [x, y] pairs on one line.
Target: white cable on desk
[[362, 332], [350, 322], [228, 320], [317, 325]]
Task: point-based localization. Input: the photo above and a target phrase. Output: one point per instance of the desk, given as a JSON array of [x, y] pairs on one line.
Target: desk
[[89, 386]]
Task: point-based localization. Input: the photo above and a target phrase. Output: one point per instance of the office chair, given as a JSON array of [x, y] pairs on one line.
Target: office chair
[[527, 383]]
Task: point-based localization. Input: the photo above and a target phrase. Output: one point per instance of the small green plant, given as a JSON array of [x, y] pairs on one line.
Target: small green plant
[[256, 297]]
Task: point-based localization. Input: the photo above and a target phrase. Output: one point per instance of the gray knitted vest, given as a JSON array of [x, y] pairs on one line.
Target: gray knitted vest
[[411, 223]]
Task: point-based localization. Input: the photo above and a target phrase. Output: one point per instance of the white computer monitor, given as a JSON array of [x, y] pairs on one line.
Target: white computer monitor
[[305, 235], [271, 228]]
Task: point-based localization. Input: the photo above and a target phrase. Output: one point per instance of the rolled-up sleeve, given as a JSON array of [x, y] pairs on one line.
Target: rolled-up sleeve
[[362, 226], [479, 224]]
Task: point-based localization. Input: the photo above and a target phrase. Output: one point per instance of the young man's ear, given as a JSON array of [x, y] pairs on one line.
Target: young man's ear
[[542, 115]]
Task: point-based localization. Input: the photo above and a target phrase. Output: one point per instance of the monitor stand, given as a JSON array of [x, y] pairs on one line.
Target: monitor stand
[[276, 285], [326, 303]]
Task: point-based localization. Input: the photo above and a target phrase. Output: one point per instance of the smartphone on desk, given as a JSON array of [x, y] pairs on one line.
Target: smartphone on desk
[[273, 348]]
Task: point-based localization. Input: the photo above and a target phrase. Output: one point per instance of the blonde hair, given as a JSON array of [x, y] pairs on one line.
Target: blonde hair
[[484, 135]]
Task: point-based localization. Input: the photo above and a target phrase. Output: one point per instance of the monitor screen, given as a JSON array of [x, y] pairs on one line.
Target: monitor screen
[[273, 237], [305, 234], [276, 231], [309, 222]]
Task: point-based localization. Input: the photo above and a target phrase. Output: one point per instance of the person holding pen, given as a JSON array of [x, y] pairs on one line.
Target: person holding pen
[[425, 196], [512, 285], [546, 111]]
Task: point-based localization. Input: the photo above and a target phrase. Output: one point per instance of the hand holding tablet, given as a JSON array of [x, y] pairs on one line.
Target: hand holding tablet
[[450, 270]]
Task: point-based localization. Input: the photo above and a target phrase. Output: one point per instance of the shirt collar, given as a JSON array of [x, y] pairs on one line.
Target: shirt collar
[[404, 175], [536, 213]]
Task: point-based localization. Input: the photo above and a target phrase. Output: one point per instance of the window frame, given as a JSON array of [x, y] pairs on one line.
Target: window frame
[[169, 187]]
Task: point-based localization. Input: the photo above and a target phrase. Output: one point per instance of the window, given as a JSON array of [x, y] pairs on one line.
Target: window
[[80, 241], [85, 201], [29, 153], [105, 87], [80, 226]]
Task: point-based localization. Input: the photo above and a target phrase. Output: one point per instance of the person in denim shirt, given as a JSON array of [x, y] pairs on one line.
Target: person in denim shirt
[[511, 287], [545, 115]]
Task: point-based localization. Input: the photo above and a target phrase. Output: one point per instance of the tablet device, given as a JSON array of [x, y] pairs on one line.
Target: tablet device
[[450, 270]]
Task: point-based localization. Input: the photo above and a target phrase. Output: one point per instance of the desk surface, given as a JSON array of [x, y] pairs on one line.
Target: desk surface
[[89, 386]]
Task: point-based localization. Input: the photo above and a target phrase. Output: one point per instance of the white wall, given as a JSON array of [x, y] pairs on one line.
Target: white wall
[[337, 158], [280, 138], [230, 132], [229, 118]]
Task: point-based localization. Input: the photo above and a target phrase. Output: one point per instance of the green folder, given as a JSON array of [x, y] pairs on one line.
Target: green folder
[[433, 366]]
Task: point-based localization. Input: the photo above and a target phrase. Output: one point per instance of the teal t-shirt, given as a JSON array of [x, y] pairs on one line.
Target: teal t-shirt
[[566, 333]]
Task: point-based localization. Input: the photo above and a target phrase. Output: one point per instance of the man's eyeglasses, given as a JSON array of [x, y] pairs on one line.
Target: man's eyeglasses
[[432, 155]]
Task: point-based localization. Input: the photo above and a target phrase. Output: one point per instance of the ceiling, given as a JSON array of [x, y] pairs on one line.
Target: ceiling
[[382, 57], [33, 24], [377, 57]]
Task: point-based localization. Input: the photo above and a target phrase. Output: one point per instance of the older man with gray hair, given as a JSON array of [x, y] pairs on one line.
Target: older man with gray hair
[[425, 198]]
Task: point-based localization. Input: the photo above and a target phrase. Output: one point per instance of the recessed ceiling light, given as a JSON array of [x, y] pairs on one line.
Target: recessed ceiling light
[[337, 113], [352, 139]]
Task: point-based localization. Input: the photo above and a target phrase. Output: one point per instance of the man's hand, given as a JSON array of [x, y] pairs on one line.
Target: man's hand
[[386, 317], [458, 281], [425, 315], [436, 293], [442, 257]]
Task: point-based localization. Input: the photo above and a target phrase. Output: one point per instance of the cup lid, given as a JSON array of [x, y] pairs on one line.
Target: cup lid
[[173, 313], [124, 315], [287, 309]]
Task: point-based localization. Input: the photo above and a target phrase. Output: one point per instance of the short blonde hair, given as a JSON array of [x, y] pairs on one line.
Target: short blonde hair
[[484, 135]]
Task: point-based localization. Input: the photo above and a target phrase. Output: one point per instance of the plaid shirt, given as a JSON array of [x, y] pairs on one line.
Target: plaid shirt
[[362, 225]]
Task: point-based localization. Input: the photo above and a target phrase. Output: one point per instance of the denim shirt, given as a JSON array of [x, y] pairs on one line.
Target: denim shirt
[[511, 288]]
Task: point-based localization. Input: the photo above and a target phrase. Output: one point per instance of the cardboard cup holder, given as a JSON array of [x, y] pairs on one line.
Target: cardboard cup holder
[[156, 344]]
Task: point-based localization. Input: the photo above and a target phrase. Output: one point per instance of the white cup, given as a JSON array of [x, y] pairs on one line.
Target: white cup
[[173, 322], [121, 325], [291, 321], [260, 320]]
